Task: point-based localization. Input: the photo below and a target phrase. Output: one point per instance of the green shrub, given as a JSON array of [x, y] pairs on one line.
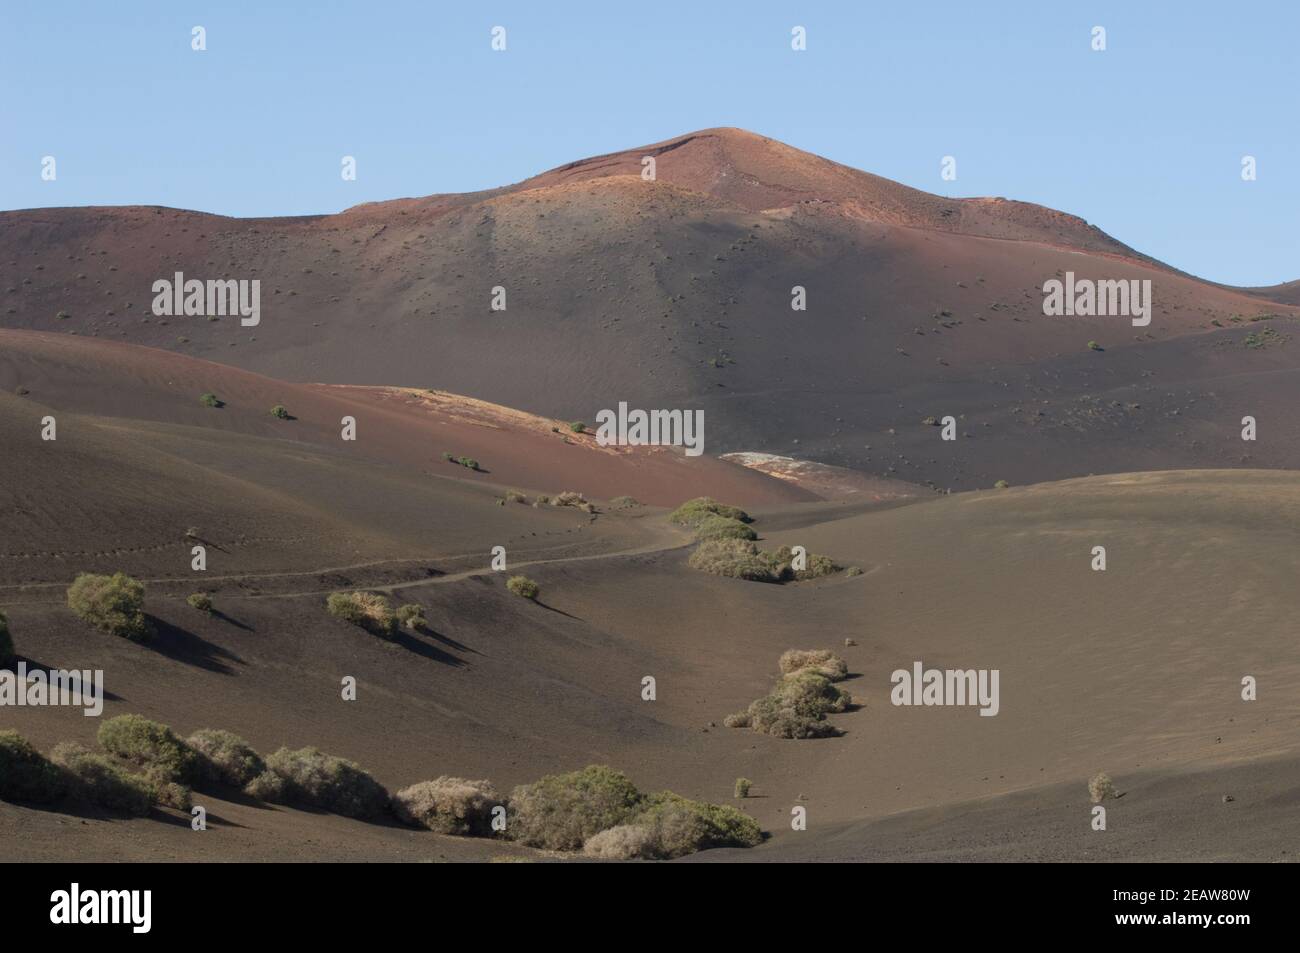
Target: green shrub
[[742, 787], [822, 661], [679, 826], [578, 426], [1001, 485], [797, 707], [561, 811], [199, 600], [514, 496], [151, 746], [25, 774], [468, 463], [411, 615], [770, 716], [171, 794], [97, 780], [624, 502], [668, 825], [815, 565], [225, 758], [279, 412], [736, 558], [697, 510], [6, 642], [1094, 346], [368, 610], [523, 586], [319, 780], [811, 693], [268, 786], [723, 527], [448, 806], [211, 400], [853, 571], [113, 603], [450, 458]]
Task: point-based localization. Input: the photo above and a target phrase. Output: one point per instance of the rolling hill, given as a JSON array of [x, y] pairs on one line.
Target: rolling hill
[[677, 293]]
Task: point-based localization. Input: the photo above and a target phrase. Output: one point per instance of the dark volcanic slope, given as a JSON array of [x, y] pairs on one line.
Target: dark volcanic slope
[[1243, 812], [1201, 566], [676, 293]]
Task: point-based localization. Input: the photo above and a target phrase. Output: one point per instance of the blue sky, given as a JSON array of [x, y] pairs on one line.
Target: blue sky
[[1145, 140]]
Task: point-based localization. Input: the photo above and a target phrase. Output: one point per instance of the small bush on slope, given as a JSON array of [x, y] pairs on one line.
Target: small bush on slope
[[796, 708], [741, 558], [268, 786], [200, 601], [25, 774], [679, 826], [561, 811], [669, 826], [822, 661], [723, 527], [365, 609], [624, 842], [736, 558], [97, 780], [601, 811], [316, 779], [695, 511], [574, 499], [814, 567], [225, 758], [448, 806], [113, 603], [171, 794], [411, 615], [1101, 787], [523, 586], [810, 693], [151, 746]]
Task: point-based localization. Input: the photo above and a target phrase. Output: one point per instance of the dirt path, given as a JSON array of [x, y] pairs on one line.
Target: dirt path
[[664, 538]]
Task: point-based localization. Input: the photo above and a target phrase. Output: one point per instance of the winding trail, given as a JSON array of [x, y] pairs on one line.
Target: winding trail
[[665, 538]]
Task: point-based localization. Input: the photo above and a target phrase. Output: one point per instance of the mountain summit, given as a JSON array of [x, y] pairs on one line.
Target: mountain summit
[[758, 174]]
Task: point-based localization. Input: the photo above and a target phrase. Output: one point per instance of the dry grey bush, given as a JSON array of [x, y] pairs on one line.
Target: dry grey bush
[[448, 805]]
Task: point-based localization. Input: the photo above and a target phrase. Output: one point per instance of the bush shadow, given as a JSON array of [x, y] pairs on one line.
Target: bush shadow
[[183, 646]]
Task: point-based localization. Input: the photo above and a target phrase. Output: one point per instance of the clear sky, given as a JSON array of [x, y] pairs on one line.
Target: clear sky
[[1145, 139]]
